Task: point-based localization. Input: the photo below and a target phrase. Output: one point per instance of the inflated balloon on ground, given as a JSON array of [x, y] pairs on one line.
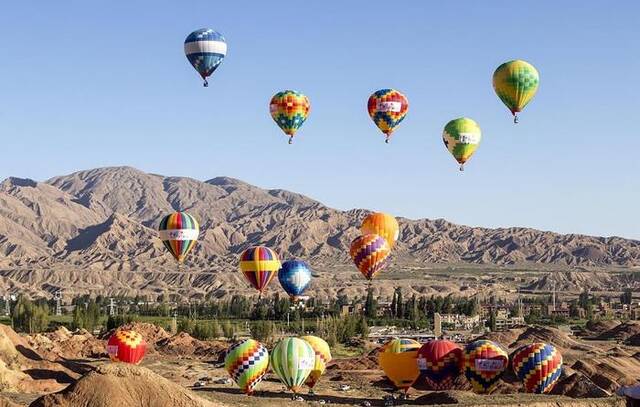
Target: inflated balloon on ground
[[538, 366], [398, 359], [484, 364], [322, 358], [293, 359], [126, 346], [440, 363], [247, 362]]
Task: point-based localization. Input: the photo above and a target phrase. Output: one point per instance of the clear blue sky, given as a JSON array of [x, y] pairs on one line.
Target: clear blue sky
[[88, 84]]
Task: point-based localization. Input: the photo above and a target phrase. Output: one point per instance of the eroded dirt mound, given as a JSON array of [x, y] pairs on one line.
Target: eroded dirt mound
[[68, 345], [621, 332], [578, 385], [599, 327], [184, 345], [6, 403], [123, 385]]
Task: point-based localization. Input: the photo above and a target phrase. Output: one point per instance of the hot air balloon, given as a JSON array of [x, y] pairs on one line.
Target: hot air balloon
[[381, 224], [126, 346], [289, 109], [484, 364], [462, 137], [516, 83], [322, 358], [205, 49], [293, 359], [387, 108], [179, 232], [247, 362], [259, 265], [370, 254], [294, 276], [539, 366], [397, 359], [440, 362]]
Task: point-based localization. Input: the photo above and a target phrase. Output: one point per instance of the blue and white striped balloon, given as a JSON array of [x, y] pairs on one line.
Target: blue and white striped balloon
[[205, 49], [294, 276]]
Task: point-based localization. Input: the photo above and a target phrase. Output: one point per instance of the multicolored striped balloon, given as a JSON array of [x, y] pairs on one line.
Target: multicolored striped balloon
[[293, 359], [247, 362], [205, 49], [370, 254], [294, 277], [289, 109], [387, 108], [259, 265], [462, 137], [397, 358], [539, 366], [484, 364], [381, 224], [126, 346], [322, 359], [179, 232], [516, 83], [440, 362]]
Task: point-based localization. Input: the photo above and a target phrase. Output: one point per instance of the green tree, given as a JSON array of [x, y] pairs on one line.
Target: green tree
[[626, 297], [371, 305], [29, 317], [400, 305], [492, 320]]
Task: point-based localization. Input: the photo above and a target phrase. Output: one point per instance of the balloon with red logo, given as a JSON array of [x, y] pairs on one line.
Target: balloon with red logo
[[440, 363], [127, 347]]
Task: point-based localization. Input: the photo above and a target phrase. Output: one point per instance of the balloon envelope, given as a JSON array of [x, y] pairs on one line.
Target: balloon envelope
[[484, 364], [293, 359], [382, 224], [247, 362], [516, 83], [538, 366], [294, 277], [440, 362], [179, 232], [462, 137], [398, 359], [205, 49], [322, 358], [387, 108], [289, 109], [126, 346], [259, 265], [370, 254]]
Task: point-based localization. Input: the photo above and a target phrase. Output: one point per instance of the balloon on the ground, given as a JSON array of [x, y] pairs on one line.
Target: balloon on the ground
[[462, 137], [516, 83], [440, 363], [205, 49], [294, 277], [538, 366], [289, 109], [382, 224], [179, 232], [293, 359], [370, 254], [259, 265], [398, 359], [247, 362], [484, 364], [387, 108], [322, 358], [126, 346]]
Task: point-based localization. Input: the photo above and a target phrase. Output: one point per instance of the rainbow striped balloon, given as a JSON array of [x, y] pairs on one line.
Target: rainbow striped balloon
[[484, 364], [370, 254], [539, 366], [179, 232], [247, 362], [259, 265]]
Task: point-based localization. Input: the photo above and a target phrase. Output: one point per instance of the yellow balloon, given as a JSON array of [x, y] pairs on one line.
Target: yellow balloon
[[382, 224]]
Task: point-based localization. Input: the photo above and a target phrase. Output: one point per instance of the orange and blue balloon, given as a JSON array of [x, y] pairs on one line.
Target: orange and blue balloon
[[294, 277], [538, 366], [387, 108]]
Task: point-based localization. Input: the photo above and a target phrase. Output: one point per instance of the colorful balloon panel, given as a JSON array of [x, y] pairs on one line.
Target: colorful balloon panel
[[387, 108], [205, 49], [484, 364], [179, 232], [370, 254], [126, 346], [293, 359], [247, 362], [538, 366], [516, 83], [382, 224], [440, 362], [294, 277], [462, 137], [259, 265], [399, 345], [322, 358], [289, 109]]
